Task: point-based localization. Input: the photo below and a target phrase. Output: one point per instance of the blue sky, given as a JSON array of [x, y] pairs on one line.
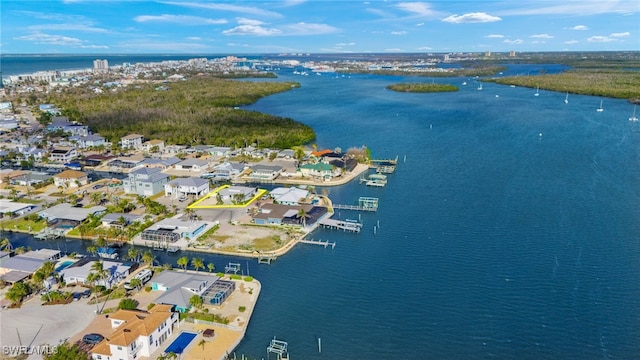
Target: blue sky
[[317, 26]]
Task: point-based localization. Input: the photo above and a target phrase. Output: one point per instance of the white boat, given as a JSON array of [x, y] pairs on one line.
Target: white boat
[[537, 91], [464, 83], [633, 117], [600, 109], [480, 87], [566, 99]]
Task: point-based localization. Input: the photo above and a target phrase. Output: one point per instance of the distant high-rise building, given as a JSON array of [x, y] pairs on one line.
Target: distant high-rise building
[[100, 65], [487, 54], [512, 53]]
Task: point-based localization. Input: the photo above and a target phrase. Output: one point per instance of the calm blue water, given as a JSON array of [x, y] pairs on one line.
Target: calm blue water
[[493, 242]]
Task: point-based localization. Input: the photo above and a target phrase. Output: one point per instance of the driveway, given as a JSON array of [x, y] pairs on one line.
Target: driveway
[[34, 324]]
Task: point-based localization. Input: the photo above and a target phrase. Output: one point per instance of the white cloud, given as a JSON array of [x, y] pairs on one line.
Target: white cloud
[[65, 27], [599, 38], [478, 17], [541, 36], [309, 29], [47, 39], [252, 30], [538, 42], [494, 36], [571, 42], [346, 44], [226, 7], [419, 8], [617, 35], [513, 42], [179, 19], [288, 3], [398, 32], [194, 38], [420, 24], [580, 27], [163, 46], [245, 21], [394, 50], [425, 48], [583, 7]]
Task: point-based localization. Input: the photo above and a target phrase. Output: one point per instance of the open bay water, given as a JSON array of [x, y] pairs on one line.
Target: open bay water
[[493, 241]]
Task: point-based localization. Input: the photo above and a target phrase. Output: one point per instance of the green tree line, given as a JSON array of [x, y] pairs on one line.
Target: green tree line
[[201, 110]]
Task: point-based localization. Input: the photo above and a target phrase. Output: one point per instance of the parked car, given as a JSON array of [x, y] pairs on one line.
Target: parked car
[[97, 186], [77, 296], [92, 338], [182, 198], [86, 293]]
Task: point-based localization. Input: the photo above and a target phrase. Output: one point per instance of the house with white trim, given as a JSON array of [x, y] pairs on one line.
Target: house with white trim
[[145, 181], [70, 179], [187, 186], [265, 172], [63, 154], [289, 196], [191, 164], [131, 141], [136, 333]]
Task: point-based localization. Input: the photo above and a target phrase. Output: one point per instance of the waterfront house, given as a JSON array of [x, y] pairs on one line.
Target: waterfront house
[[277, 214], [136, 333], [125, 162], [319, 170], [88, 141], [67, 216], [289, 196], [237, 193], [187, 186], [119, 220], [30, 178], [95, 159], [286, 154], [220, 151], [14, 208], [70, 179], [265, 172], [153, 146], [179, 287], [63, 154], [145, 181], [171, 230], [78, 272], [194, 165], [62, 123], [228, 170], [162, 164], [132, 141]]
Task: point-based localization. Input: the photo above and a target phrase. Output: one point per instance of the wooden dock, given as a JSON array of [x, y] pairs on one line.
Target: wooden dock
[[49, 234], [325, 243], [345, 225]]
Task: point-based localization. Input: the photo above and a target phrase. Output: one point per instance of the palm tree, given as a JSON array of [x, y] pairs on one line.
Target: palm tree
[[197, 263], [92, 250], [302, 214], [5, 245], [148, 258], [183, 262], [133, 254], [211, 267], [202, 343], [136, 283], [97, 273]]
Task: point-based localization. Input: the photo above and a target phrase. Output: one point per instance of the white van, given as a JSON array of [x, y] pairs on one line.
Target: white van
[[144, 276]]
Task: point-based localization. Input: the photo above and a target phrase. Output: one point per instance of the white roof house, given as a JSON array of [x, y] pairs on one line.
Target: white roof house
[[288, 196], [187, 186], [78, 272], [65, 211]]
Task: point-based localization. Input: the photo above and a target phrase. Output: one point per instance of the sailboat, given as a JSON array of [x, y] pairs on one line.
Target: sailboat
[[600, 109], [537, 91], [633, 117], [480, 87], [566, 99]]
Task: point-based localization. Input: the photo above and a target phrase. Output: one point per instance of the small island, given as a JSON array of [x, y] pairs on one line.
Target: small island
[[422, 87]]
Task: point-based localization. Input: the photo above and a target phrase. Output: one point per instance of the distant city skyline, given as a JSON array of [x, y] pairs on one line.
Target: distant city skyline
[[298, 26]]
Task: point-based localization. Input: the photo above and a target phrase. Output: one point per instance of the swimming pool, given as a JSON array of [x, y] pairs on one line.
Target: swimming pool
[[180, 343], [64, 265]]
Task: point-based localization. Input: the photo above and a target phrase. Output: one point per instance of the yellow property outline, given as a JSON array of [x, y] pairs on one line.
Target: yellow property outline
[[195, 205]]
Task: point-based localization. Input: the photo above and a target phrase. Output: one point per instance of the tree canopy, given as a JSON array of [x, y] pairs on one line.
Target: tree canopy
[[201, 110]]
